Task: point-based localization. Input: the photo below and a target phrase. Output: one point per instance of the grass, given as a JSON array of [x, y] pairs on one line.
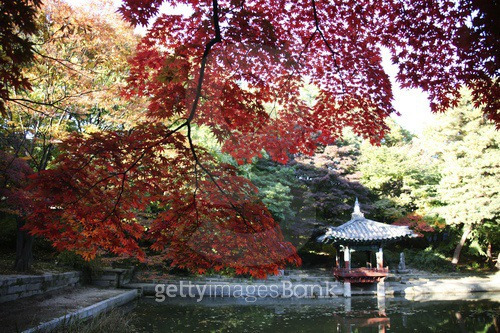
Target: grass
[[115, 321]]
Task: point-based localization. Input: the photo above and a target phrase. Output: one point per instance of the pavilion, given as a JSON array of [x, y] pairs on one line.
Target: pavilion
[[362, 234]]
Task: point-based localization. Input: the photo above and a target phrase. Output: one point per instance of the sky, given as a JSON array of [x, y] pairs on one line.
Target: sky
[[412, 104]]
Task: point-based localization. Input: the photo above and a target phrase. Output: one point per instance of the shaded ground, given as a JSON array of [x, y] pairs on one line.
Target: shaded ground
[[43, 263], [24, 313]]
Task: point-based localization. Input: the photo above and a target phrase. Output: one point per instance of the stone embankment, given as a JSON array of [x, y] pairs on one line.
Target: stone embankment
[[318, 284], [13, 287]]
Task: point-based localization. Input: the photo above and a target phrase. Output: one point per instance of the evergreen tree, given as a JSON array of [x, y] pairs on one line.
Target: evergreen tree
[[466, 144]]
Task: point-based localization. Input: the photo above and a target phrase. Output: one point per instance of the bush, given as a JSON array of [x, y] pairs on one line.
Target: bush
[[428, 260], [73, 260], [8, 231]]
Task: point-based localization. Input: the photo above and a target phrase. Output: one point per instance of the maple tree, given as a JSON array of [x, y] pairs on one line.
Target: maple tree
[[237, 67], [416, 222], [17, 24], [14, 173], [75, 81], [75, 78]]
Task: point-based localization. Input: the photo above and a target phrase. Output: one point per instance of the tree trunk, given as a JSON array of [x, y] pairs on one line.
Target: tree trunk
[[458, 249], [24, 248]]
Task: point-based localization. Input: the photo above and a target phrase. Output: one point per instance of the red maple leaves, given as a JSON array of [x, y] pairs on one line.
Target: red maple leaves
[[91, 203], [416, 223]]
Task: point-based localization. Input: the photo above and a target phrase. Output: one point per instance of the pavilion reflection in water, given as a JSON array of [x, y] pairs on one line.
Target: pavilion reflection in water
[[351, 321], [352, 324], [362, 234]]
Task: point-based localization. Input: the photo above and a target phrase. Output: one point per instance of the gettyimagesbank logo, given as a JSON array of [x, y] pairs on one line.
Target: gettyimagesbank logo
[[249, 292]]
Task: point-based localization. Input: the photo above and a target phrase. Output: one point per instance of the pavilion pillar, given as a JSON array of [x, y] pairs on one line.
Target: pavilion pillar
[[380, 265], [347, 257], [347, 264], [347, 305], [381, 305], [380, 258], [347, 289], [337, 259], [381, 288]]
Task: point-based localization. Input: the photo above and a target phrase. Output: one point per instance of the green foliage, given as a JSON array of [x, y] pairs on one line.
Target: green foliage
[[274, 182], [470, 164], [331, 181], [466, 147], [397, 135], [429, 259], [402, 175], [310, 192]]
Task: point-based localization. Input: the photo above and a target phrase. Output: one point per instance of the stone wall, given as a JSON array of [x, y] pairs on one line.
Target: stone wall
[[13, 287], [112, 277], [249, 289]]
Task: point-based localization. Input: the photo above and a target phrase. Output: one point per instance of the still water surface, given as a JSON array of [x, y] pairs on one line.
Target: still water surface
[[359, 314]]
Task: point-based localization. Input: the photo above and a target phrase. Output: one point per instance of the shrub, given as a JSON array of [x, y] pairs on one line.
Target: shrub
[[428, 260], [73, 260], [8, 231]]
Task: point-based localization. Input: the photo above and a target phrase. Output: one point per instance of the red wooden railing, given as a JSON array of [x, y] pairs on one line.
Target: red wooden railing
[[361, 275]]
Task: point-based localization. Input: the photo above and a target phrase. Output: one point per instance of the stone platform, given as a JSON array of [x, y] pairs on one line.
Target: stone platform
[[46, 311]]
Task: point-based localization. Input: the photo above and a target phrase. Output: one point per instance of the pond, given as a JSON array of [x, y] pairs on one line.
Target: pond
[[359, 314]]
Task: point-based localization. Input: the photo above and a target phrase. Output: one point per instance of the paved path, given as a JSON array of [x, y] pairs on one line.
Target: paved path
[[19, 315]]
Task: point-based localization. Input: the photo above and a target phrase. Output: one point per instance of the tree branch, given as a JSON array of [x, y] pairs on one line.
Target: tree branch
[[329, 47]]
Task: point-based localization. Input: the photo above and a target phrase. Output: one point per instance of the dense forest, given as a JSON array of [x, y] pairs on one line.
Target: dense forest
[[84, 165]]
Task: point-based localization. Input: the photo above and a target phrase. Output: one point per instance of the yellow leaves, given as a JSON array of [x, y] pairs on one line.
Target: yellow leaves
[[81, 66], [91, 128]]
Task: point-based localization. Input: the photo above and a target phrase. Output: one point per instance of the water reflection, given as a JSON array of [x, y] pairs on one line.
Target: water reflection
[[373, 319], [353, 324], [358, 314]]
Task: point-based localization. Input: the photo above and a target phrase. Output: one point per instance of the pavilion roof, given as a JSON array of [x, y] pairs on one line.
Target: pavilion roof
[[360, 230]]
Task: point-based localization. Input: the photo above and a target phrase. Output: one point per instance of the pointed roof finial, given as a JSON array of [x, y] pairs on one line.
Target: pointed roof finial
[[357, 211]]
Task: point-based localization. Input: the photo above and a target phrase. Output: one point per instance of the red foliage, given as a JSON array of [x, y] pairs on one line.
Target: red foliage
[[14, 173], [416, 223], [89, 204], [223, 66]]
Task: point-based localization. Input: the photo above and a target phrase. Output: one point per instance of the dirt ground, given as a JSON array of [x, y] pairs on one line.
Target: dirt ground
[[21, 314]]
